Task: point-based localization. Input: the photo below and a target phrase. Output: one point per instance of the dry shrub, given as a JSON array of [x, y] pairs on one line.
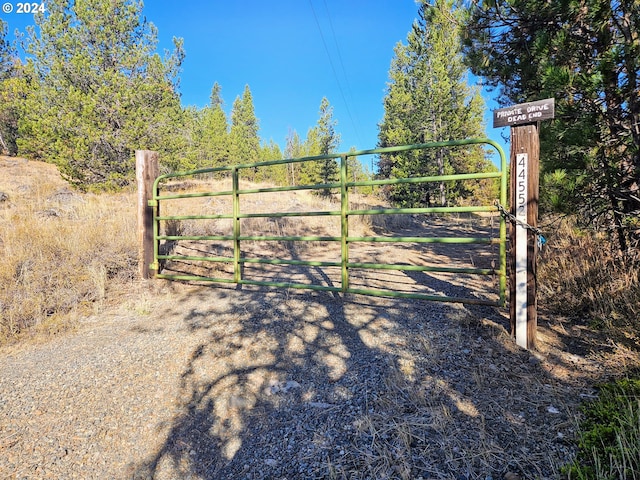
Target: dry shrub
[[580, 275], [59, 252]]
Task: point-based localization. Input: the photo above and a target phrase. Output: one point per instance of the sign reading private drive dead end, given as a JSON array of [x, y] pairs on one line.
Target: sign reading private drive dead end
[[524, 113], [524, 120]]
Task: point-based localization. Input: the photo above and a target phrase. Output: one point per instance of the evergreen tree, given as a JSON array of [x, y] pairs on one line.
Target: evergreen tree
[[245, 142], [191, 134], [215, 99], [205, 134], [215, 141], [12, 90], [99, 91], [357, 172], [429, 100], [586, 55], [329, 141], [274, 173], [293, 149], [323, 140], [309, 171], [7, 53]]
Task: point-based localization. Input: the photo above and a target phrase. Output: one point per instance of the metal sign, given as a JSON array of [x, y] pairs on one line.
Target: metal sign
[[522, 183], [524, 113]]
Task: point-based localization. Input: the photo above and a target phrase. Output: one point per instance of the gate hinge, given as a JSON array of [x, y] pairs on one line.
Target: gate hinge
[[152, 203]]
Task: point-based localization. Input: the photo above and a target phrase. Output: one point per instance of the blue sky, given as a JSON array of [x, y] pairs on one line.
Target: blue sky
[[291, 53]]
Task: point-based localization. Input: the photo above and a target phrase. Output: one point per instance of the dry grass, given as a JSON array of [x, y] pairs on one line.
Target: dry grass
[[580, 277], [265, 203], [61, 252], [262, 203]]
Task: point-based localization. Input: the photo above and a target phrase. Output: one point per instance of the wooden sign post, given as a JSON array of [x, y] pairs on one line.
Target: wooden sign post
[[524, 171]]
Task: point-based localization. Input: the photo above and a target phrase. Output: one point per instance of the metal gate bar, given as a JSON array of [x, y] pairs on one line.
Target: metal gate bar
[[345, 239]]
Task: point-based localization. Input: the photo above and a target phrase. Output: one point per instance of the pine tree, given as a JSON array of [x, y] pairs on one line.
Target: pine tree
[[323, 140], [215, 131], [309, 171], [99, 91], [215, 99], [429, 100], [12, 91], [357, 172], [586, 55], [245, 142], [274, 173], [191, 134], [329, 141], [7, 53], [293, 149]]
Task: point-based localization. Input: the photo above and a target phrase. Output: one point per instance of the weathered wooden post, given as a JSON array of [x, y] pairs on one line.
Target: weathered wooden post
[[146, 173], [525, 172]]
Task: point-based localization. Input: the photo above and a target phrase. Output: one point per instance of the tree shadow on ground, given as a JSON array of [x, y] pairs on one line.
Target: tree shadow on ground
[[288, 384], [269, 361]]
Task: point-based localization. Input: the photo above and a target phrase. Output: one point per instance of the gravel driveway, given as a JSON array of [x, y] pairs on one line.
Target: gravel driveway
[[223, 383]]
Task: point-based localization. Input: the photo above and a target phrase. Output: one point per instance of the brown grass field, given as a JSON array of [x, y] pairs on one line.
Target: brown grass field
[[62, 251]]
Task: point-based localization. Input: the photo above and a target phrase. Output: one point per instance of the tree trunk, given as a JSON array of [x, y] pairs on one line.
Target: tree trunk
[[4, 145], [617, 223]]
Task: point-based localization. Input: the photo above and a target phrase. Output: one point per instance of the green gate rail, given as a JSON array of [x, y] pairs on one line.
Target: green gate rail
[[345, 239]]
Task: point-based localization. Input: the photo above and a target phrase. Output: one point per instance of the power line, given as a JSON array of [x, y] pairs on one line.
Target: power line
[[335, 74], [344, 71]]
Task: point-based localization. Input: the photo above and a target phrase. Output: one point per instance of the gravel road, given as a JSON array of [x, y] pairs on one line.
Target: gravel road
[[221, 383]]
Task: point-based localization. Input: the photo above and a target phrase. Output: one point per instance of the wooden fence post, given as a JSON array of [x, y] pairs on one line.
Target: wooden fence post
[[524, 120], [524, 171], [146, 172]]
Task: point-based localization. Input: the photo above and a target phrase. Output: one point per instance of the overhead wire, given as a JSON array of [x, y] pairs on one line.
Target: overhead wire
[[344, 70], [333, 68]]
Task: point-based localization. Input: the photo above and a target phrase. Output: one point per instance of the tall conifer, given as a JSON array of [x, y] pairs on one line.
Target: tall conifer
[[245, 142], [99, 90], [12, 90], [322, 139], [429, 100], [215, 141], [586, 55], [328, 141]]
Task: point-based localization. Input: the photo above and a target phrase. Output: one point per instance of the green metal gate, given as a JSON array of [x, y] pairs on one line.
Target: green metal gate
[[345, 240]]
